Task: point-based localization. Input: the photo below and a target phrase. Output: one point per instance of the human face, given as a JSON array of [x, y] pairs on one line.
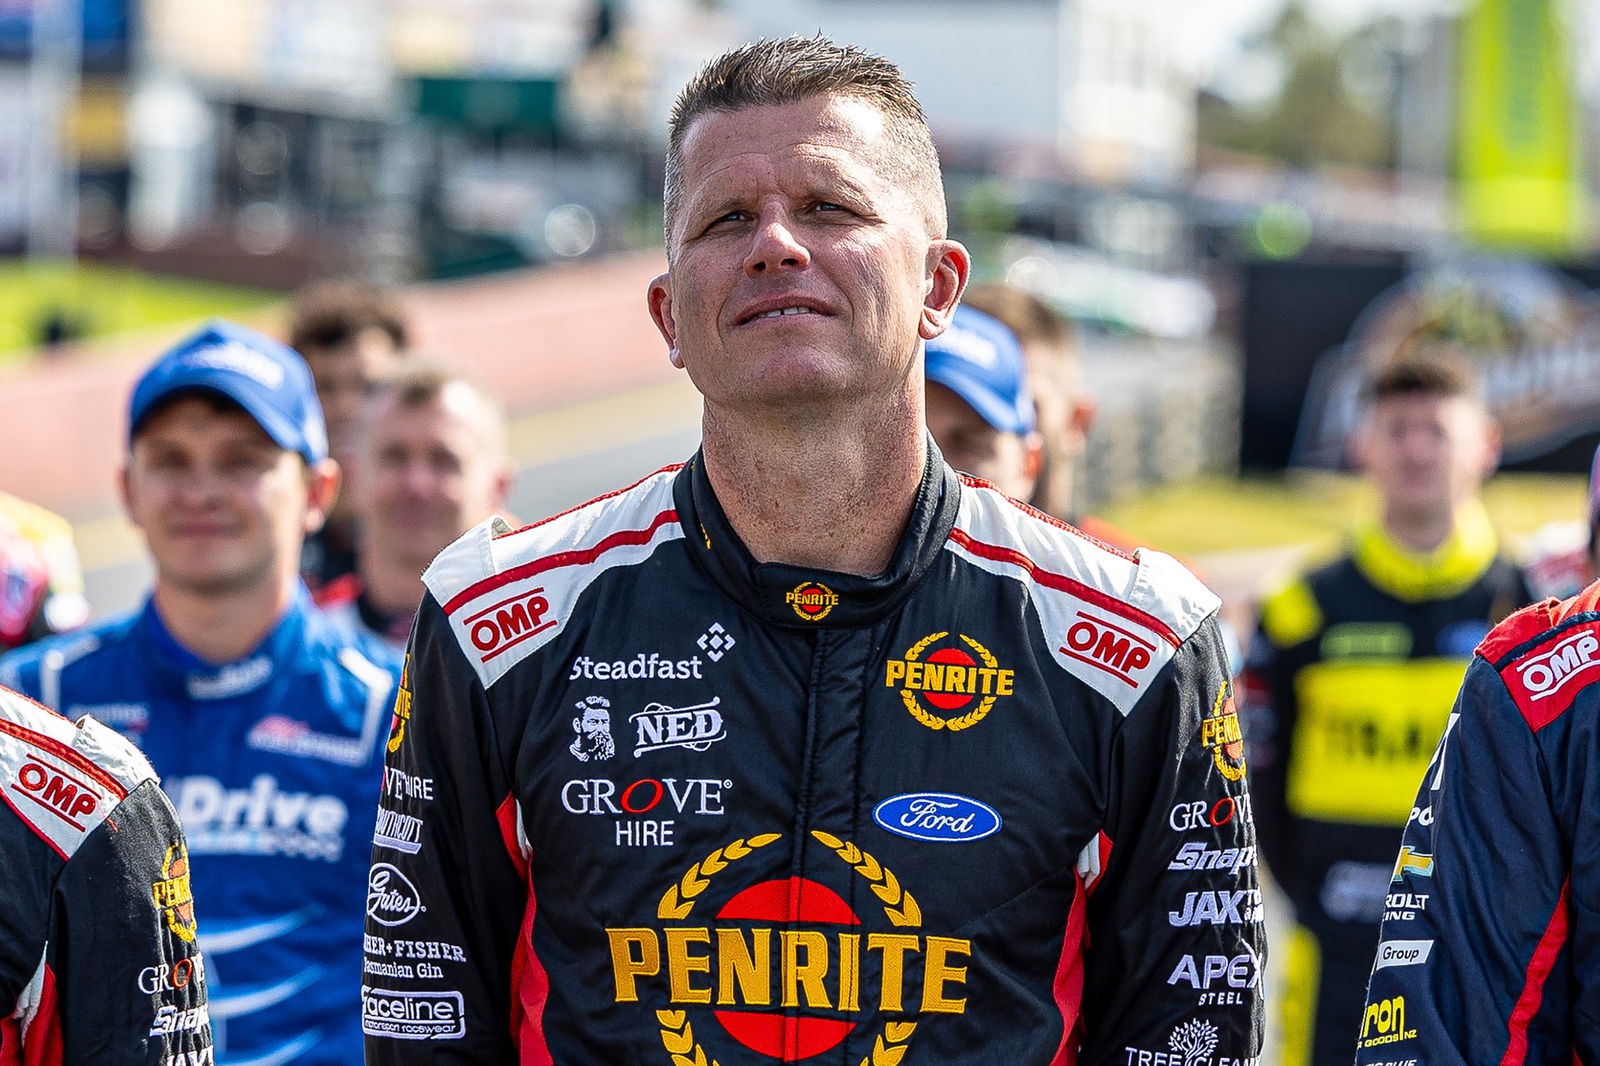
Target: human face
[[425, 474], [971, 444], [344, 375], [1426, 454], [796, 208], [222, 506]]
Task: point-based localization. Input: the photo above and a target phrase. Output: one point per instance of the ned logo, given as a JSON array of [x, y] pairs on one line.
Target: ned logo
[[593, 726], [696, 728]]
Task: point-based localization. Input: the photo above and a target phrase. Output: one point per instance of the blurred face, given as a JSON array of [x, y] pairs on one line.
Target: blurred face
[[344, 376], [1426, 454], [222, 506], [426, 473], [972, 445], [800, 268]]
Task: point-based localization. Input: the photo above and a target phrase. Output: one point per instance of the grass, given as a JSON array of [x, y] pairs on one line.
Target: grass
[[107, 300]]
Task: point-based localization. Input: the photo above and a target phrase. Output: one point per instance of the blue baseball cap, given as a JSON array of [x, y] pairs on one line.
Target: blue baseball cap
[[980, 360], [265, 377]]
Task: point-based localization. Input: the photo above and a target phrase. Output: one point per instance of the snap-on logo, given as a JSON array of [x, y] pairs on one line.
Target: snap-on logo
[[940, 817], [1108, 646], [1547, 674], [59, 791], [504, 625]]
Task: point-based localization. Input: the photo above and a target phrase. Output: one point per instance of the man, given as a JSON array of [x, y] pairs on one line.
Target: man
[[897, 770], [350, 335], [1352, 676], [979, 407], [1489, 931], [98, 964], [41, 582], [263, 718], [1066, 410], [431, 461], [1564, 557]]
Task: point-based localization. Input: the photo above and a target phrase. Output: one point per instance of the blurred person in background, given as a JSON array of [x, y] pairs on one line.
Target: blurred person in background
[[98, 964], [1065, 408], [1351, 678], [1564, 557], [979, 407], [350, 334], [263, 717], [431, 463], [41, 581]]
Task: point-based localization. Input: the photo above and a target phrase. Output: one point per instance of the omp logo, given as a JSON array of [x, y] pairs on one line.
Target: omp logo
[[391, 897], [173, 895], [786, 968], [1109, 647], [1546, 675], [1412, 862], [948, 678], [504, 625], [1385, 1023], [60, 791], [1220, 734], [409, 1015], [812, 601]]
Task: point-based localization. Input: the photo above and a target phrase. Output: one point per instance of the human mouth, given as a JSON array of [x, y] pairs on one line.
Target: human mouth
[[786, 311]]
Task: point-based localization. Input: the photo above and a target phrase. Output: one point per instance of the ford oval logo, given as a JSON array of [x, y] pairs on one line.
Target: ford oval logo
[[391, 899], [937, 816]]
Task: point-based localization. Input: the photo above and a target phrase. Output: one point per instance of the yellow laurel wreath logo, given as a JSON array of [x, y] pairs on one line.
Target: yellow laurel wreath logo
[[933, 721]]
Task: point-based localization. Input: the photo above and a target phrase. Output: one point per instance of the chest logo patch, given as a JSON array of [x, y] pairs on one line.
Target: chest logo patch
[[940, 817], [172, 893], [593, 726], [1220, 734], [812, 601], [945, 673]]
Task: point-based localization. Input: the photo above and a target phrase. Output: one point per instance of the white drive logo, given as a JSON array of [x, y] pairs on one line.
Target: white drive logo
[[1403, 953]]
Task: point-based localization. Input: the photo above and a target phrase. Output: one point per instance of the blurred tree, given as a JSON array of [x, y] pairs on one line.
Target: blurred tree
[[1334, 101]]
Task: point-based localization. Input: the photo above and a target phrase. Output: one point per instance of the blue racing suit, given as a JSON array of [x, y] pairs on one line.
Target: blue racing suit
[[274, 763]]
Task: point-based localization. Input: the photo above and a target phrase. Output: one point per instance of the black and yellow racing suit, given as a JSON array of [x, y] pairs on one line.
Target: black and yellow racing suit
[[1349, 683]]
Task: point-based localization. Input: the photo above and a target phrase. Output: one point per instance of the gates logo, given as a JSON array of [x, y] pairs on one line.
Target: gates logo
[[1220, 734], [812, 601], [172, 893], [1109, 647], [934, 683], [502, 626], [1545, 675], [391, 897], [785, 968], [58, 790]]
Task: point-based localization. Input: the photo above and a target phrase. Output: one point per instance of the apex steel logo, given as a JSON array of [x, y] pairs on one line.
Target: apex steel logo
[[934, 683], [812, 601], [786, 968], [1220, 734], [172, 893]]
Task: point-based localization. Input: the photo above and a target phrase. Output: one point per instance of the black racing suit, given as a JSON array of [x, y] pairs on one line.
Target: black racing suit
[[1348, 686], [652, 802], [98, 963], [1491, 929]]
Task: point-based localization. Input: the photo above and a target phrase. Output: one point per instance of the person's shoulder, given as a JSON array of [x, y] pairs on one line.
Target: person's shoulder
[[1547, 655], [505, 590], [357, 649], [68, 778], [1119, 615], [64, 652]]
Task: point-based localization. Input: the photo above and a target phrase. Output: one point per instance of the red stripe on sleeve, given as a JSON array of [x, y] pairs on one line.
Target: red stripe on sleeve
[[1068, 984], [41, 1041], [530, 984], [1539, 967]]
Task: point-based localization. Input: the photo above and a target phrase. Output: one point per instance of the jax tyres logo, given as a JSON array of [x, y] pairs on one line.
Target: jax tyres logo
[[948, 678], [402, 708], [776, 946], [173, 895], [1220, 734], [812, 601]]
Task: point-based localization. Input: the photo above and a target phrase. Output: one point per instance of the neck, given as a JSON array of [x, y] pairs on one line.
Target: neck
[[817, 493], [391, 584], [220, 629], [1421, 531]]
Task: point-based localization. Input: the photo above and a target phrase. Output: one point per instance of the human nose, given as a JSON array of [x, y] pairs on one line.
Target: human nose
[[775, 244]]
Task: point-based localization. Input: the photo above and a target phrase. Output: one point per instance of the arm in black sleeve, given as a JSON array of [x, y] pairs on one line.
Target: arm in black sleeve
[[448, 887], [1175, 935]]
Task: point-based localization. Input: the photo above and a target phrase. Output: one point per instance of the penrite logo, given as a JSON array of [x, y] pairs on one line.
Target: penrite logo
[[59, 791], [1412, 862], [504, 625], [402, 707], [659, 726], [172, 893], [812, 601], [1109, 647], [1545, 675], [742, 965], [1220, 733], [948, 679]]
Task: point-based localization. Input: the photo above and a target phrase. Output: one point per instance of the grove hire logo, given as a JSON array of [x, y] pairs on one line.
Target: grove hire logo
[[935, 683], [812, 601], [786, 968]]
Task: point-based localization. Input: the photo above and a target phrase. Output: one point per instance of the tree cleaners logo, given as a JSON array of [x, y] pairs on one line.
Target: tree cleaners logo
[[785, 967], [172, 893], [812, 601], [1220, 734], [934, 683]]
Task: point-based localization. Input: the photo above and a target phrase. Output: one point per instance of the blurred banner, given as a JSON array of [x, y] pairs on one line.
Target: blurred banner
[[1520, 180]]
